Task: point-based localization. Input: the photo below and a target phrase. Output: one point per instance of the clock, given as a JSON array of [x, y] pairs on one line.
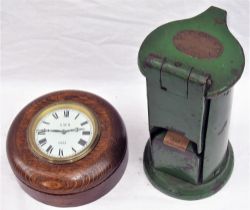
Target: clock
[[67, 148], [63, 132]]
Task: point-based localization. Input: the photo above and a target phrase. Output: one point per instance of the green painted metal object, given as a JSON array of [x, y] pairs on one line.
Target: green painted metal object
[[190, 67]]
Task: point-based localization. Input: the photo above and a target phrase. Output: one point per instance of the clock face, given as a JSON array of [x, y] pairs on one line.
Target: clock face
[[63, 132]]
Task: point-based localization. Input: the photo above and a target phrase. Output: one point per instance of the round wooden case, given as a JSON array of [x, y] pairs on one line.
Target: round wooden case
[[79, 182]]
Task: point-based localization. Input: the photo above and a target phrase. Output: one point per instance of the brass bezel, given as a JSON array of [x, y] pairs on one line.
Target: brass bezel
[[62, 105]]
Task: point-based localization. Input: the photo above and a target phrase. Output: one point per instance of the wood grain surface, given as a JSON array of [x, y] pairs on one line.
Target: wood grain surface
[[82, 181]]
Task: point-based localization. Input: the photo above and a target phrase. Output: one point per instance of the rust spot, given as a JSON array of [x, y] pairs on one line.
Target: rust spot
[[176, 140], [187, 167], [209, 82], [220, 21], [242, 65], [154, 55], [150, 58], [236, 72], [217, 186], [198, 44], [177, 63]]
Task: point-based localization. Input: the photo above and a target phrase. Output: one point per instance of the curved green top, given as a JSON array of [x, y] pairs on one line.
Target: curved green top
[[225, 68]]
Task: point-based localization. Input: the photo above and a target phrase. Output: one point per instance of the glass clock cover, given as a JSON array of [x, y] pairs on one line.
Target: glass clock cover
[[63, 132]]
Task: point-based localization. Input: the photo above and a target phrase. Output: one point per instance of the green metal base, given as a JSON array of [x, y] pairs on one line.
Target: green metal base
[[178, 188]]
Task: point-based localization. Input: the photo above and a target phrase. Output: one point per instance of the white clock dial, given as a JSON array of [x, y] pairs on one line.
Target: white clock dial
[[63, 132]]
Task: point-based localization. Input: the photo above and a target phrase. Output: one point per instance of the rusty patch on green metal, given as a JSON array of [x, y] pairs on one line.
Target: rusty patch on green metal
[[176, 140], [198, 44], [220, 21]]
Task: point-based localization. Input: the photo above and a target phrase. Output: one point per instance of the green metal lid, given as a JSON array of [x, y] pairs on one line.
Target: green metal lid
[[202, 42]]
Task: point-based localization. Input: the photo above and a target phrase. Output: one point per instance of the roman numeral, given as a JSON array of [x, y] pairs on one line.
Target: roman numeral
[[86, 133], [84, 123], [41, 132], [47, 123], [77, 116], [42, 142], [60, 153], [73, 149], [82, 142], [49, 149], [55, 115], [66, 113]]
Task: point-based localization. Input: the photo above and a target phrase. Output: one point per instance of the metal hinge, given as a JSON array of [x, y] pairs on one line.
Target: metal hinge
[[179, 79]]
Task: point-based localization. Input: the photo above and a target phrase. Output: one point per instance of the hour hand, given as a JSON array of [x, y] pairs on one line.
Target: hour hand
[[61, 131], [56, 130]]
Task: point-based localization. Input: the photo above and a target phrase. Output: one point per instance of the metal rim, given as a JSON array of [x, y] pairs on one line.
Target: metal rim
[[62, 105]]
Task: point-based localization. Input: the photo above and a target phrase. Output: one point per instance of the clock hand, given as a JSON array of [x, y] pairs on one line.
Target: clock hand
[[74, 129], [49, 130], [64, 131], [52, 130], [60, 131], [56, 130]]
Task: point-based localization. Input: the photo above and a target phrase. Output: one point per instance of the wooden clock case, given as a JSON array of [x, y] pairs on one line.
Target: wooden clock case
[[75, 183]]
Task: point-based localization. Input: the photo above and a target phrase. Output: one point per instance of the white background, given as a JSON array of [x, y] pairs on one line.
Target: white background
[[51, 45]]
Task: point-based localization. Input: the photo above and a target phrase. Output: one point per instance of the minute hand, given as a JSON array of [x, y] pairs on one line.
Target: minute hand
[[64, 131], [54, 130], [74, 129], [49, 130]]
